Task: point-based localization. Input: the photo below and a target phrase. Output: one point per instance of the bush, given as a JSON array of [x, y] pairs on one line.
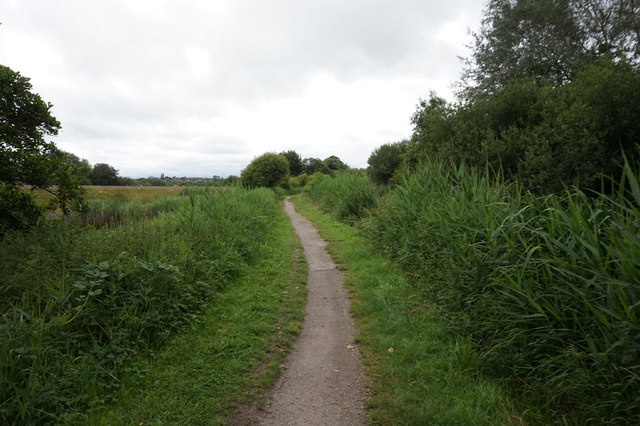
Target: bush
[[548, 137], [268, 170]]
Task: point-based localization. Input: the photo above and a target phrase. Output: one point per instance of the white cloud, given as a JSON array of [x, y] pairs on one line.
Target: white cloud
[[201, 87]]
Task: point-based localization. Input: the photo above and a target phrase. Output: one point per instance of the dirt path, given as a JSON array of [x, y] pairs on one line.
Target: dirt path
[[323, 382]]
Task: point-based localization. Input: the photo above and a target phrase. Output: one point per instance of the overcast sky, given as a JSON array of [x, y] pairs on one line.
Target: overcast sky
[[201, 87]]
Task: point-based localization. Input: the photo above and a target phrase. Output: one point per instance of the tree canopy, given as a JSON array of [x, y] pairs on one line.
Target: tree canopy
[[268, 170], [548, 40], [549, 95], [295, 162], [315, 165], [80, 168], [334, 163], [385, 161], [26, 159], [104, 174]]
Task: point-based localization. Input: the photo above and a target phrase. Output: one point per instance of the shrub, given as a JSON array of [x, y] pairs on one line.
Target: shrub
[[268, 170]]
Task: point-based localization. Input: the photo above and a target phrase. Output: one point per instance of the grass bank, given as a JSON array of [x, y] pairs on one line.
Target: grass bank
[[423, 373], [209, 374], [78, 305]]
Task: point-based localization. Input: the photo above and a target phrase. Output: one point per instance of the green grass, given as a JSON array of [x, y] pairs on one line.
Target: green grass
[[423, 372], [77, 306], [234, 355]]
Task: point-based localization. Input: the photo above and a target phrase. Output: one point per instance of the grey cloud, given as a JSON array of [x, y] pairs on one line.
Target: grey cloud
[[129, 76]]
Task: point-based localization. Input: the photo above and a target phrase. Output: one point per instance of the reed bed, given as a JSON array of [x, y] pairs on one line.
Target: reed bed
[[115, 212], [548, 288]]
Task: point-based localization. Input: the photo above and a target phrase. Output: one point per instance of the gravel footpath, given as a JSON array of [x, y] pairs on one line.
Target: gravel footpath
[[323, 382]]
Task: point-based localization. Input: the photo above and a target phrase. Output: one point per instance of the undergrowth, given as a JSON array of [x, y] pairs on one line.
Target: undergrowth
[[226, 361]]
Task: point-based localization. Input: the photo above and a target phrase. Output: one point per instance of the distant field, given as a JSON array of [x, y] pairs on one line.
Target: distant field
[[124, 193], [130, 193]]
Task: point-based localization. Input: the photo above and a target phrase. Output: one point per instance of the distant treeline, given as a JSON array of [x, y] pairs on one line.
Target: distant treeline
[[103, 174]]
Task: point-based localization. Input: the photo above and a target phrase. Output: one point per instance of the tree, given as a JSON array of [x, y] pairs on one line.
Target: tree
[[295, 162], [549, 41], [547, 136], [432, 130], [80, 168], [385, 161], [27, 159], [315, 165], [610, 27], [334, 163], [104, 174], [268, 170], [518, 39]]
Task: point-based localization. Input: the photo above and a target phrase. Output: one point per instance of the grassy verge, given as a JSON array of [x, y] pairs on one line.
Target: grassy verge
[[423, 373], [79, 306], [231, 357]]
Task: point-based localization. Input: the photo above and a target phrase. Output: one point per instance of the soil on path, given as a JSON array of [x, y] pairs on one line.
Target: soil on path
[[323, 382]]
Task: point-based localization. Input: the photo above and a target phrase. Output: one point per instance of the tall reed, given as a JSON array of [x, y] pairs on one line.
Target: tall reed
[[547, 287], [115, 212], [349, 195]]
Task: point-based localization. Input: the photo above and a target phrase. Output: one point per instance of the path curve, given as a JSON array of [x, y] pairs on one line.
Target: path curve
[[323, 382]]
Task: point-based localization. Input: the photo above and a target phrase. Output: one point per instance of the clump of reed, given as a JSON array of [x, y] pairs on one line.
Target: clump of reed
[[349, 195], [548, 288], [114, 212]]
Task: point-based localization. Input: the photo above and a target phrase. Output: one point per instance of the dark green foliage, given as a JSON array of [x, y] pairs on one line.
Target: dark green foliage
[[104, 174], [548, 41], [549, 137], [295, 162], [80, 168], [231, 180], [27, 159], [151, 181], [269, 170], [539, 40], [315, 165], [77, 305], [385, 161], [334, 163], [548, 95], [546, 287]]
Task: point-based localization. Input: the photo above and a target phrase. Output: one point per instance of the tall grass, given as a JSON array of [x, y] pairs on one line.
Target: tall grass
[[77, 304], [548, 288], [349, 196], [115, 212]]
